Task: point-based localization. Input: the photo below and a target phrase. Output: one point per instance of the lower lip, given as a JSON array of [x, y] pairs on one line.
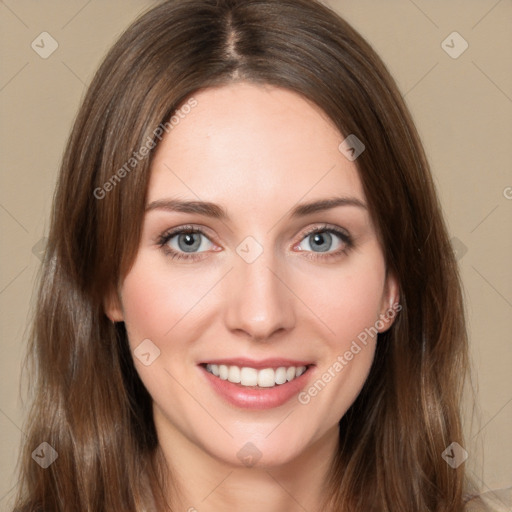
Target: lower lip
[[261, 398]]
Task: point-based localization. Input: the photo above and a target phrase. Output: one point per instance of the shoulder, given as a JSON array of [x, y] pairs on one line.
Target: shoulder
[[492, 501]]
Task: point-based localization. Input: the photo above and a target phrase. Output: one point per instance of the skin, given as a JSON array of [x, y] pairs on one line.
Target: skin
[[257, 151]]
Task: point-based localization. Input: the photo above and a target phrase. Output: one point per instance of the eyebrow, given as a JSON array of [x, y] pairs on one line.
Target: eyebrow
[[218, 212]]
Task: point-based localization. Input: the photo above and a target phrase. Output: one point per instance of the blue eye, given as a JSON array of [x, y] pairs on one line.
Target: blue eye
[[326, 240], [185, 242], [189, 242], [320, 242]]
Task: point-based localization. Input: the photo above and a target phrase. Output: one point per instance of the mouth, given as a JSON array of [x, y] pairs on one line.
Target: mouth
[[249, 377], [251, 384]]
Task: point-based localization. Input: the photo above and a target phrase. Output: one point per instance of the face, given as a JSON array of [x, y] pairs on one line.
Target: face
[[258, 279]]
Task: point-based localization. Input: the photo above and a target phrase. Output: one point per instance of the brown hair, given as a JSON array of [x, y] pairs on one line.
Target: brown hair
[[88, 401]]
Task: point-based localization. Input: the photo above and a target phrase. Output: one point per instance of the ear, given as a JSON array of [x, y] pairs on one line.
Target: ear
[[390, 304], [112, 307]]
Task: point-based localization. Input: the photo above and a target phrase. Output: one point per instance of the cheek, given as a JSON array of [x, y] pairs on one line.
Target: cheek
[[350, 311], [349, 304], [148, 312], [350, 300], [163, 307], [156, 300]]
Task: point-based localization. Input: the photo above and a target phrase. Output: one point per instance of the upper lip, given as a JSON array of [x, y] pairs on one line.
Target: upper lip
[[263, 363]]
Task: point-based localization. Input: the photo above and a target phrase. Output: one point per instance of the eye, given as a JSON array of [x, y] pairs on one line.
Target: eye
[[189, 242], [185, 242], [325, 241]]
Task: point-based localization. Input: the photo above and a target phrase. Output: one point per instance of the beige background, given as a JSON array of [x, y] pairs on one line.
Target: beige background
[[463, 109]]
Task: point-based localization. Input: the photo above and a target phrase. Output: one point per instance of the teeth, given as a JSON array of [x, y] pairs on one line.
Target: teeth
[[223, 372], [281, 375], [234, 374], [265, 378], [248, 377]]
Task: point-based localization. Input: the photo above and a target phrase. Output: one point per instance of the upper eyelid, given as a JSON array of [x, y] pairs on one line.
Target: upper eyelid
[[169, 233], [328, 227]]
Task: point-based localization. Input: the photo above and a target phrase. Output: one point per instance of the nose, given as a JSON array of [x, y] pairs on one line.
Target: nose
[[259, 305]]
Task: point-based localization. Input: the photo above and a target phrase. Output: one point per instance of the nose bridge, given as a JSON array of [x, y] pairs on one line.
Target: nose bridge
[[258, 302]]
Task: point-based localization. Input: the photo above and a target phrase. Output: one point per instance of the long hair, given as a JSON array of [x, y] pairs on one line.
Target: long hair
[[88, 402]]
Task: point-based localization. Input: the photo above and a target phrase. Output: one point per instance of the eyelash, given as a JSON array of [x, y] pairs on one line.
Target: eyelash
[[163, 240]]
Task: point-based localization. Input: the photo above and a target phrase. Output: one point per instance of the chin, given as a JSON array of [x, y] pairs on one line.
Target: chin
[[261, 451]]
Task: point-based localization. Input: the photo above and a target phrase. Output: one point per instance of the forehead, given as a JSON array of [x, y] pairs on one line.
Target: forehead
[[252, 147]]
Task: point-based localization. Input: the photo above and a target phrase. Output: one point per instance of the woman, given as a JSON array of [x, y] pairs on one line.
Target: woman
[[249, 299]]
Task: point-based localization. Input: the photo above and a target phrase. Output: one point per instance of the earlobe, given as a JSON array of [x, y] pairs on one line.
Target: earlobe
[[390, 303], [112, 307]]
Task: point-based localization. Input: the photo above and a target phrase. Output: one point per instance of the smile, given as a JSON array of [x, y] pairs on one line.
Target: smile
[[252, 377], [250, 384]]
